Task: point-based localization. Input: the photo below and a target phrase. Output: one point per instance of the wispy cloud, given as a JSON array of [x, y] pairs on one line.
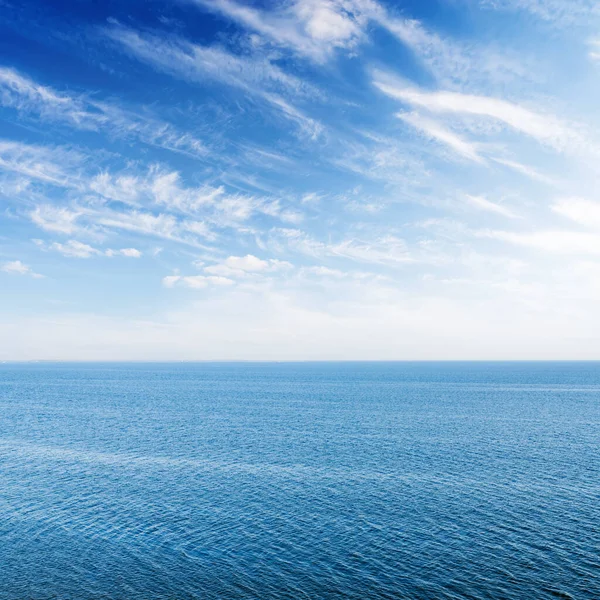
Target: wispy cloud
[[525, 170], [311, 28], [388, 250], [558, 242], [438, 132], [153, 201], [195, 63], [316, 29], [544, 128], [165, 189], [580, 210], [56, 166], [450, 61], [56, 219], [31, 98], [484, 204], [76, 249], [196, 282], [559, 12]]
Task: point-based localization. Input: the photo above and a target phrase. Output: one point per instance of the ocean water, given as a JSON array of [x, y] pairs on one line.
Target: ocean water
[[351, 480]]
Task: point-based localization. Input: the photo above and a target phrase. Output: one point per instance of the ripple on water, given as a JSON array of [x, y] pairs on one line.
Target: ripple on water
[[299, 481]]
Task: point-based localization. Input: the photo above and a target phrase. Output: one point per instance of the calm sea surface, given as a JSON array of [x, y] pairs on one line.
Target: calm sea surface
[[366, 480]]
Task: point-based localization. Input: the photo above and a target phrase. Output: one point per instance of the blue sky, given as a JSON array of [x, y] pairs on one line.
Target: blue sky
[[302, 179]]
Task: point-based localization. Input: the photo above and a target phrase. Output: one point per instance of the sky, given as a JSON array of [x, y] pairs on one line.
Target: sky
[[299, 179]]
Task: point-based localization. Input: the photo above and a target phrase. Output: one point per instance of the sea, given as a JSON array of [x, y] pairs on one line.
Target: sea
[[371, 480]]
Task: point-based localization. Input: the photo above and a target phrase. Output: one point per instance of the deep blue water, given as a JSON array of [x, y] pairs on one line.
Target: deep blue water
[[367, 480]]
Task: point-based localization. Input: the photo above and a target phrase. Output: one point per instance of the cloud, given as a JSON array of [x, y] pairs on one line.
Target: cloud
[[383, 159], [337, 275], [567, 243], [525, 170], [159, 225], [93, 221], [75, 249], [558, 12], [196, 282], [545, 129], [56, 219], [482, 203], [195, 63], [16, 267], [311, 28], [438, 132], [213, 204], [318, 29], [31, 98], [120, 188], [128, 252], [53, 166], [581, 211], [154, 202], [237, 266], [450, 61], [204, 206], [388, 249]]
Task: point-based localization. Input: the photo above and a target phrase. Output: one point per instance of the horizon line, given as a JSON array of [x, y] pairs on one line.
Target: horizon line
[[296, 361]]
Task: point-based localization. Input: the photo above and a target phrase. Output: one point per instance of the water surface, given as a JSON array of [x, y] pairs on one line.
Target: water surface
[[351, 480]]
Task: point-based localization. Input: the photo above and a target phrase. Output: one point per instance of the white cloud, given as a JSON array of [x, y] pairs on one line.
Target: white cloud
[[311, 28], [121, 188], [159, 225], [246, 263], [76, 249], [96, 221], [560, 12], [559, 242], [525, 170], [29, 97], [581, 211], [129, 252], [482, 203], [236, 266], [54, 166], [384, 250], [215, 205], [191, 62], [316, 29], [155, 201], [16, 267], [450, 61], [438, 132], [56, 219], [196, 281], [594, 52], [336, 274], [544, 128], [383, 159]]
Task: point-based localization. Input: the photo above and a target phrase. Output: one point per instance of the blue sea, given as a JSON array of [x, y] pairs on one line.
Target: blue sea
[[307, 480]]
